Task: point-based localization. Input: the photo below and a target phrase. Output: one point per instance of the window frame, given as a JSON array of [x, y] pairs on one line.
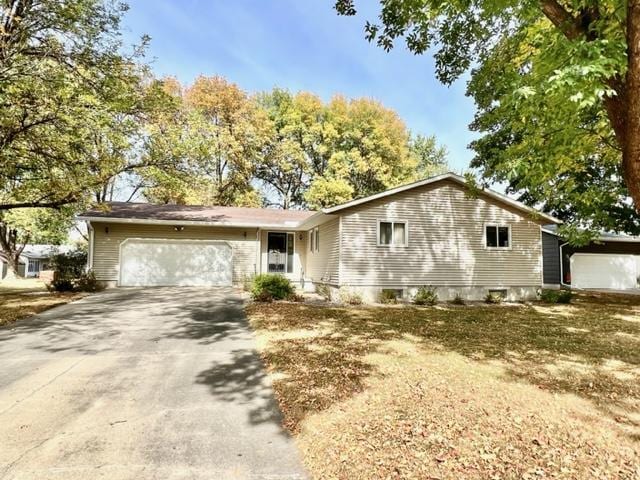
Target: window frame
[[35, 262], [393, 233], [497, 225], [286, 255]]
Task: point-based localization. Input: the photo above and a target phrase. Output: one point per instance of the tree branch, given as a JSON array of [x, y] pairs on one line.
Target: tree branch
[[562, 19]]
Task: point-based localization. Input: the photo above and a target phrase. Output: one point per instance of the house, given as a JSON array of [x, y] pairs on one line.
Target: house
[[33, 259], [431, 232], [609, 262]]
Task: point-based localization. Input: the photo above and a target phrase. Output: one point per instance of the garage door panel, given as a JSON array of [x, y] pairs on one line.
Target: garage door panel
[[613, 271], [175, 262]]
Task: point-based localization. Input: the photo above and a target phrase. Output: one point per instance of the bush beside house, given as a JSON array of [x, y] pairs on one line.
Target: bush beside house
[[271, 286]]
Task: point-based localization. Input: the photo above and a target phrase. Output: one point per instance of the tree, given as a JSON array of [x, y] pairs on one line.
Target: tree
[[297, 147], [368, 150], [431, 158], [65, 87], [325, 154], [321, 154], [19, 227], [208, 145], [562, 117]]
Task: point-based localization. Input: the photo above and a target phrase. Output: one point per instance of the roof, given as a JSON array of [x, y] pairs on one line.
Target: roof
[[42, 250], [602, 236], [126, 212], [446, 176], [196, 214]]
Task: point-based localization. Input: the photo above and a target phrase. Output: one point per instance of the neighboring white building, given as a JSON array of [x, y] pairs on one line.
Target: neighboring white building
[[34, 259]]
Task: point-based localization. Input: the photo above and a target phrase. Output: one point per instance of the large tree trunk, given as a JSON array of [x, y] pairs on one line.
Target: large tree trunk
[[623, 109], [11, 248], [13, 263], [631, 139]]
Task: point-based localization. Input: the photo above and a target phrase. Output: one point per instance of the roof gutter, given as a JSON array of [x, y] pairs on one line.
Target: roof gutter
[[600, 238], [197, 223]]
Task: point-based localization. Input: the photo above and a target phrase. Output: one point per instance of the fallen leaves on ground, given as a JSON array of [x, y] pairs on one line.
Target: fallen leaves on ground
[[523, 391], [16, 306]]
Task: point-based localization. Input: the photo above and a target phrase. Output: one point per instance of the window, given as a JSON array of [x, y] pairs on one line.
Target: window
[[317, 240], [33, 266], [392, 233], [280, 248], [311, 240], [498, 236]]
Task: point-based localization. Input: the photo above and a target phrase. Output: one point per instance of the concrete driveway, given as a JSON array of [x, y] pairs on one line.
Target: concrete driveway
[[160, 383]]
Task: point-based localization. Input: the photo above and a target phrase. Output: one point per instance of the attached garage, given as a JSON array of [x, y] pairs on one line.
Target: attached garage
[[609, 262], [158, 262], [612, 271]]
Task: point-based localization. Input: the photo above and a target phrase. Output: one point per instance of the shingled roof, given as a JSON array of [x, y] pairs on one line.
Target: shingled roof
[[196, 213]]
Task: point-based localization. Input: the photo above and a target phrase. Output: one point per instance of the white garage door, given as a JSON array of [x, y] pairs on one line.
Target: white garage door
[[151, 262], [589, 270]]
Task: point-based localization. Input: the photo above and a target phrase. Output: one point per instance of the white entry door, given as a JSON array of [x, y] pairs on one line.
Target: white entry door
[[155, 262], [591, 270]]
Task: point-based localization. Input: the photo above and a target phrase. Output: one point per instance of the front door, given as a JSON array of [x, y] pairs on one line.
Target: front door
[[280, 252]]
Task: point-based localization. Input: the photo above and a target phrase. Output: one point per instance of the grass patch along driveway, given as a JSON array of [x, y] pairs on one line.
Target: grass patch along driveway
[[21, 298], [448, 392]]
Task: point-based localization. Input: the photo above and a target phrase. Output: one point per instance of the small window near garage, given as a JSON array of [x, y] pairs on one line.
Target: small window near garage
[[497, 236], [311, 239], [317, 232], [392, 233]]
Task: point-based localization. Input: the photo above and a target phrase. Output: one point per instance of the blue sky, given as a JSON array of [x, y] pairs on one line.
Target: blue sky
[[301, 45]]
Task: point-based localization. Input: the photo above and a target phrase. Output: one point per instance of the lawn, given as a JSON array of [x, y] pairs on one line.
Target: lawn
[[21, 298], [456, 392]]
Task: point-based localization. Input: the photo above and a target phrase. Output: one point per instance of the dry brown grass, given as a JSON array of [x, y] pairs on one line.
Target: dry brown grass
[[23, 298], [453, 392]]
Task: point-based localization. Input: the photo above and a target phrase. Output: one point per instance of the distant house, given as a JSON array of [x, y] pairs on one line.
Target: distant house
[[33, 260], [609, 262], [431, 232]]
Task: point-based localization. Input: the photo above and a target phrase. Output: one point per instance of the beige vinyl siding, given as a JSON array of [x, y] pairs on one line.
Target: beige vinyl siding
[[106, 250], [445, 242], [323, 265]]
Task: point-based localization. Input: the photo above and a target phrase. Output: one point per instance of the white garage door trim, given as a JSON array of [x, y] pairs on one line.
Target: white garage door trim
[[605, 270], [227, 282]]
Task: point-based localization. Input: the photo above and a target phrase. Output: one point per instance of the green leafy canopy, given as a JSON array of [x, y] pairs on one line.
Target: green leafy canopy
[[556, 88]]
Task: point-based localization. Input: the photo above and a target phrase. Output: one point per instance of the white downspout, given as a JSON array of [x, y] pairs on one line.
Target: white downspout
[[258, 266], [91, 242]]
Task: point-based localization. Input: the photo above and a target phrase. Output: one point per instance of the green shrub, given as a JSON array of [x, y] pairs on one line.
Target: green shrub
[[458, 300], [263, 296], [87, 283], [61, 285], [565, 296], [69, 265], [351, 298], [556, 296], [426, 295], [275, 285], [493, 298], [549, 296], [388, 296]]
